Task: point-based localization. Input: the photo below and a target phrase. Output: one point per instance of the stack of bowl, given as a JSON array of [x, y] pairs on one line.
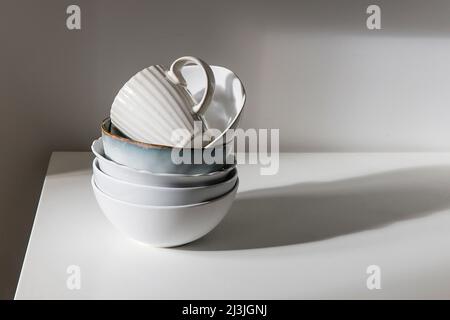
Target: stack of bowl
[[153, 200]]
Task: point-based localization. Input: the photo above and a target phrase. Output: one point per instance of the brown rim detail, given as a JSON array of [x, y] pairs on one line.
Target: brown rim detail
[[107, 131]]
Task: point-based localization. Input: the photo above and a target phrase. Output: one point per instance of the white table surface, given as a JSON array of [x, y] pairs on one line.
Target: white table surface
[[308, 232]]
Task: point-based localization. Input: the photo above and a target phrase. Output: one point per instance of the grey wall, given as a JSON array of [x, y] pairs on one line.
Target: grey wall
[[311, 68]]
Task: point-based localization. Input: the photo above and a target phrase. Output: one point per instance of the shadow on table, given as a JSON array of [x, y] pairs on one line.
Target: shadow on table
[[309, 212]]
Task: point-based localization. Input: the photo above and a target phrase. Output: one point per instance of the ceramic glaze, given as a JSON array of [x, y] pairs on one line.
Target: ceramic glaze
[[165, 226], [155, 102], [160, 196], [145, 177], [158, 159]]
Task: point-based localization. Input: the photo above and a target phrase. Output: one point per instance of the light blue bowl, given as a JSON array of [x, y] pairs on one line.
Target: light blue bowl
[[157, 158]]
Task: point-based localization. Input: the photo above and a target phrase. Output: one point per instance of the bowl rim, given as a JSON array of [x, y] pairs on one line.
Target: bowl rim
[[142, 206], [108, 132], [141, 171], [212, 144], [145, 145], [244, 94], [96, 169]]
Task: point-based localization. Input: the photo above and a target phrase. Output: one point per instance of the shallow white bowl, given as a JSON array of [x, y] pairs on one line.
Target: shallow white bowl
[[165, 226], [159, 196], [123, 172]]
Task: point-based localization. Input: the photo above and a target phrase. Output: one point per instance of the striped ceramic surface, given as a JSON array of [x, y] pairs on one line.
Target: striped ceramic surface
[[149, 108]]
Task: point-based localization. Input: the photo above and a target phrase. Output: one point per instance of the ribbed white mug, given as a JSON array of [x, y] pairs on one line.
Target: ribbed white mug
[[155, 102]]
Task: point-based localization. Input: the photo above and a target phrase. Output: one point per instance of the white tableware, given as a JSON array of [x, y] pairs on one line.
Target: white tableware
[[159, 196], [228, 99], [128, 174], [164, 226], [155, 102]]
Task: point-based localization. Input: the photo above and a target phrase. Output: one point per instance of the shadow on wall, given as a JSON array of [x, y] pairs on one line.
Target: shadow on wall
[[57, 85], [309, 212]]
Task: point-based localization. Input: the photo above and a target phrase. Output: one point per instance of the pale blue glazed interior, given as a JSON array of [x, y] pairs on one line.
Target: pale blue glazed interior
[[154, 158]]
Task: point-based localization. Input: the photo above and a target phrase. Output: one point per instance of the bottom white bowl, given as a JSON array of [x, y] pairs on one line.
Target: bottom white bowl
[[165, 226]]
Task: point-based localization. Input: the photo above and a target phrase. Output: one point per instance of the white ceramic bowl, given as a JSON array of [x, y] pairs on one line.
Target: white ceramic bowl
[[165, 226], [128, 174], [159, 196]]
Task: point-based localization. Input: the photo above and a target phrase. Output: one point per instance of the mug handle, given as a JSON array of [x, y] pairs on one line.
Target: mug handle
[[174, 75]]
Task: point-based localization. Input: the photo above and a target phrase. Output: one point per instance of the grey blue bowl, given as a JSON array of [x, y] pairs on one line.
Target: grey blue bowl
[[157, 158]]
